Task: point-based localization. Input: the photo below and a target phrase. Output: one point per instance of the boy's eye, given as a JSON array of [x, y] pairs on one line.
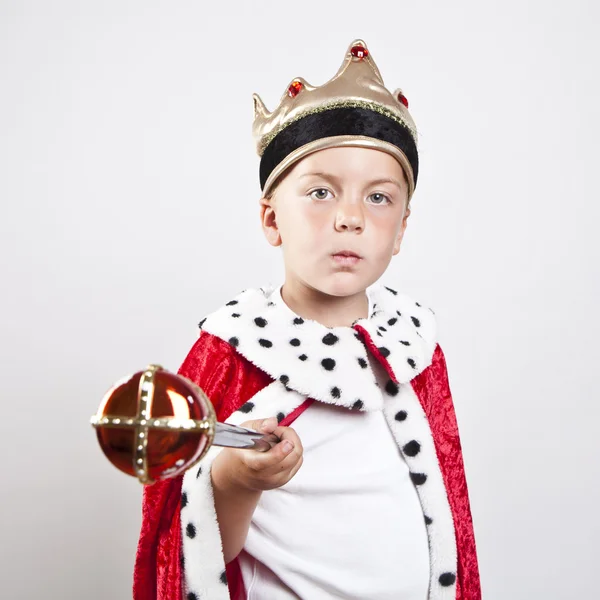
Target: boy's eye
[[379, 198], [319, 194]]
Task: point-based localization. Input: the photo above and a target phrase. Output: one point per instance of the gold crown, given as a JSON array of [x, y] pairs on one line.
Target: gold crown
[[357, 84]]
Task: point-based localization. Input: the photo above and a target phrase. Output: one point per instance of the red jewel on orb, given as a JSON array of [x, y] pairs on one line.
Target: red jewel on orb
[[403, 99], [359, 52], [295, 88]]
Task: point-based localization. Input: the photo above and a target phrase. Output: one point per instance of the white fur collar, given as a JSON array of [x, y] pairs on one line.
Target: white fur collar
[[328, 364]]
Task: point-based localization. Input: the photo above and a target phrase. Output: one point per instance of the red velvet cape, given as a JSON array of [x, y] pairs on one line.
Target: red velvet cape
[[229, 380]]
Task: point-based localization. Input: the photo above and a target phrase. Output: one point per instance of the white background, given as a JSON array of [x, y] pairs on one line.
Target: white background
[[129, 189]]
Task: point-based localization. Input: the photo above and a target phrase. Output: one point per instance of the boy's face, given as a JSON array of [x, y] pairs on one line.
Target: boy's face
[[339, 215]]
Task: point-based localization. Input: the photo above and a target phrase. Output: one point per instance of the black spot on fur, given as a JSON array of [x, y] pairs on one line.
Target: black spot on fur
[[401, 415], [234, 342], [303, 357], [190, 530], [280, 417], [328, 364], [447, 579], [330, 339], [260, 322], [428, 520], [201, 323], [284, 379], [191, 596], [412, 448], [223, 578], [184, 500], [199, 472], [416, 321], [298, 321], [411, 362], [265, 343], [247, 407], [384, 351], [391, 388], [405, 343], [336, 392], [363, 363], [358, 405], [418, 478], [391, 290], [392, 321], [236, 315], [295, 342], [232, 303]]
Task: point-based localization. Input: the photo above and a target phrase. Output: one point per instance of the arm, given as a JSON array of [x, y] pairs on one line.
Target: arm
[[240, 476], [235, 506]]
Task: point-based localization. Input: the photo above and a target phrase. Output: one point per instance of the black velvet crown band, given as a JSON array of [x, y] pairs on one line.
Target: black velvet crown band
[[338, 121]]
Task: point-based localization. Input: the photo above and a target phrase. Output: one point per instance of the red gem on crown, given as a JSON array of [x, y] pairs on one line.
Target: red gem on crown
[[403, 99], [295, 88], [359, 52]]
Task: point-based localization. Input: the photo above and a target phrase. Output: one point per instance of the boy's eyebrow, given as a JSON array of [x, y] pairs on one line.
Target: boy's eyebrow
[[335, 179]]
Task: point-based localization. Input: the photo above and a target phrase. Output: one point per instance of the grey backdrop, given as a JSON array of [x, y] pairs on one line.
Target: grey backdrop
[[128, 188]]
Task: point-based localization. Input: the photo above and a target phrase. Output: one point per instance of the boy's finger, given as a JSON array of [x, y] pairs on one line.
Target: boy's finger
[[286, 463], [289, 464], [263, 461], [287, 433]]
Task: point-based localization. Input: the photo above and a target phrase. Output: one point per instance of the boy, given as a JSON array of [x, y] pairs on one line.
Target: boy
[[365, 497]]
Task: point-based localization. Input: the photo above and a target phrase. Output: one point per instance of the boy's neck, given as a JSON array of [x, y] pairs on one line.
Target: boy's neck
[[330, 311]]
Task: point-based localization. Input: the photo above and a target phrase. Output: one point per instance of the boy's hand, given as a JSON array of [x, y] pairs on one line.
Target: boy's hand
[[260, 471]]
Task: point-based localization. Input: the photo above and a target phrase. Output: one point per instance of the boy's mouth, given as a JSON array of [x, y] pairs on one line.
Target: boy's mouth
[[346, 258]]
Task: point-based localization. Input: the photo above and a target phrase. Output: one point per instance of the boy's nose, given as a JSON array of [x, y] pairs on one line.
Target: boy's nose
[[349, 217]]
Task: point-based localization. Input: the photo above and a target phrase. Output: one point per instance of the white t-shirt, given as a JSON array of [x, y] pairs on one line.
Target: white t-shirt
[[347, 525]]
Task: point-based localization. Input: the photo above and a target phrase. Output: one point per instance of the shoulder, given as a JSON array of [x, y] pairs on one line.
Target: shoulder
[[225, 376]]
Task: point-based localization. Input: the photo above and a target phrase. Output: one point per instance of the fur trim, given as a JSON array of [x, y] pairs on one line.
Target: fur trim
[[328, 364], [410, 428]]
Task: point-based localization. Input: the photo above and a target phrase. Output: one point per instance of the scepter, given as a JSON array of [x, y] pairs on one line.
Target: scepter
[[155, 425]]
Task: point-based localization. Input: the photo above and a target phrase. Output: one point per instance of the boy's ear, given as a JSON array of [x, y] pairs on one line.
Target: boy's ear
[[400, 235], [269, 222]]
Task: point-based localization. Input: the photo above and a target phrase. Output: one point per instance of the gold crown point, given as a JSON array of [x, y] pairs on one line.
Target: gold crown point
[[359, 59], [260, 110]]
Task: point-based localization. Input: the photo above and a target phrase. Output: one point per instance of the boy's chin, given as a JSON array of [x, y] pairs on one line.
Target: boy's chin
[[344, 284]]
